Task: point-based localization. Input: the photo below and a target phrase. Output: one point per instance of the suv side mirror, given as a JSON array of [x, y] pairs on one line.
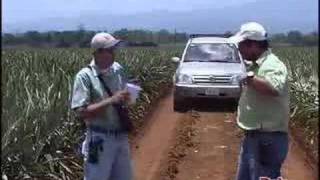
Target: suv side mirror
[[175, 59]]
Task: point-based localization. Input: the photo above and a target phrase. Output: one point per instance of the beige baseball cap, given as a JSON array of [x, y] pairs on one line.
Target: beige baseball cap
[[250, 30], [104, 40]]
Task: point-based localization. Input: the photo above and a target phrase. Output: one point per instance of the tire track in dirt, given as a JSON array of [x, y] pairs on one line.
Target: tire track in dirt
[[214, 157], [184, 133], [154, 144]]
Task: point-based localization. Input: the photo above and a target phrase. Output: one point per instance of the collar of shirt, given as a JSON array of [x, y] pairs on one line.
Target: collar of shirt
[[262, 58], [97, 71]]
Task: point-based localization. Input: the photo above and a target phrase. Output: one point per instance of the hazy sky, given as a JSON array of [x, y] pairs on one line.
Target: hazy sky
[[44, 15], [15, 10]]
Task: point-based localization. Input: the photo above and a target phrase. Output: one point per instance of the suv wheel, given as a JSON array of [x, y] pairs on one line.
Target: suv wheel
[[179, 105], [235, 104]]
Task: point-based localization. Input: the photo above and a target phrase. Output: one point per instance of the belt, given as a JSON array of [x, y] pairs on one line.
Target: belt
[[113, 132], [255, 132]]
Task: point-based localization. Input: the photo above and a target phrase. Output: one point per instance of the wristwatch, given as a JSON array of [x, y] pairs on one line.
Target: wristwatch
[[250, 74]]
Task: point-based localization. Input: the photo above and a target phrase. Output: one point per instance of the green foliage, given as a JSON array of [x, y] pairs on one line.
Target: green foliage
[[303, 66], [38, 130]]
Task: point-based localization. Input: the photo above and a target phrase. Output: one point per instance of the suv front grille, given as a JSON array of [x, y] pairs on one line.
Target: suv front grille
[[211, 79]]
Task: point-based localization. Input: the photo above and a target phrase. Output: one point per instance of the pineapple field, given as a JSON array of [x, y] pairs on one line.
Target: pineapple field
[[39, 132]]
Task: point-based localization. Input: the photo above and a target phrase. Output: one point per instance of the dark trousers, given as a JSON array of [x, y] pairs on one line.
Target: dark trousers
[[262, 155]]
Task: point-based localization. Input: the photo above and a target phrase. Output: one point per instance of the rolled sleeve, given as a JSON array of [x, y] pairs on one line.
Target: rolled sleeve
[[276, 76], [81, 92]]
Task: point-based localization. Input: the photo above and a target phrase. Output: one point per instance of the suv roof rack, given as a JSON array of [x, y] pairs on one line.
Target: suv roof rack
[[226, 35]]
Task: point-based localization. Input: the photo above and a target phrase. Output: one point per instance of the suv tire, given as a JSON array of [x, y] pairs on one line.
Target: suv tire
[[179, 105]]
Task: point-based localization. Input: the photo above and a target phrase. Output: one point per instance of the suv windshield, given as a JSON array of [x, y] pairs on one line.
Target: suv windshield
[[213, 52]]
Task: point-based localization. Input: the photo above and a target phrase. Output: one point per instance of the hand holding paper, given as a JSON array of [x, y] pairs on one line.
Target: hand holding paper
[[134, 91]]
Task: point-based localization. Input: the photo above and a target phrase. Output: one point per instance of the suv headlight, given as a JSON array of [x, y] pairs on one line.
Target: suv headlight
[[237, 78], [184, 79]]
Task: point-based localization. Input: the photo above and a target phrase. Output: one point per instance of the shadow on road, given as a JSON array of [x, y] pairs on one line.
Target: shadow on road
[[213, 105]]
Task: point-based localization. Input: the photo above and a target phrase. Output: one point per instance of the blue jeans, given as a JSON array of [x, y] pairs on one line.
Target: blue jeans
[[114, 162], [262, 155]]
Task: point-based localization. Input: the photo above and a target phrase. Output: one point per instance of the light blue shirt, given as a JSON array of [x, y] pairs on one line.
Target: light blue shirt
[[88, 89]]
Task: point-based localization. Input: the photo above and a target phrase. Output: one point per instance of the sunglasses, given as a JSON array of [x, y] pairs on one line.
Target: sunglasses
[[108, 50]]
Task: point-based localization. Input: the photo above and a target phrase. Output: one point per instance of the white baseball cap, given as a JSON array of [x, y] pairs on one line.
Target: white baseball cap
[[103, 40], [250, 30]]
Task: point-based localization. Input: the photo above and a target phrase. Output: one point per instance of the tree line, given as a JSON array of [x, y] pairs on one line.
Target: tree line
[[296, 38], [82, 38]]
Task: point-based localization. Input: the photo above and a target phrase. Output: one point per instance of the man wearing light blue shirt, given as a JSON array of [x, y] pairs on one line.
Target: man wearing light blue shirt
[[106, 148]]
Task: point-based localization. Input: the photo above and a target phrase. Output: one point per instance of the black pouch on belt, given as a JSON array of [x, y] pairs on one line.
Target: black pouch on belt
[[95, 146], [125, 120]]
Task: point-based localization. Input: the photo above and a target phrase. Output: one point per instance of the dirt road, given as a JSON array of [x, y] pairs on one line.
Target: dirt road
[[216, 146], [153, 146]]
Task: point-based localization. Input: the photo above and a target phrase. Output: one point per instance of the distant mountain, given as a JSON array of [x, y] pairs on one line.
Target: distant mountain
[[286, 15]]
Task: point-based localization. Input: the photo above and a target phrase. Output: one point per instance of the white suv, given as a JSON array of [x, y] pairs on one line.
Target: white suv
[[210, 67]]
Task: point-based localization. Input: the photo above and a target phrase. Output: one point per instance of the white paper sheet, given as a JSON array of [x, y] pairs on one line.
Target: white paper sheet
[[134, 91]]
